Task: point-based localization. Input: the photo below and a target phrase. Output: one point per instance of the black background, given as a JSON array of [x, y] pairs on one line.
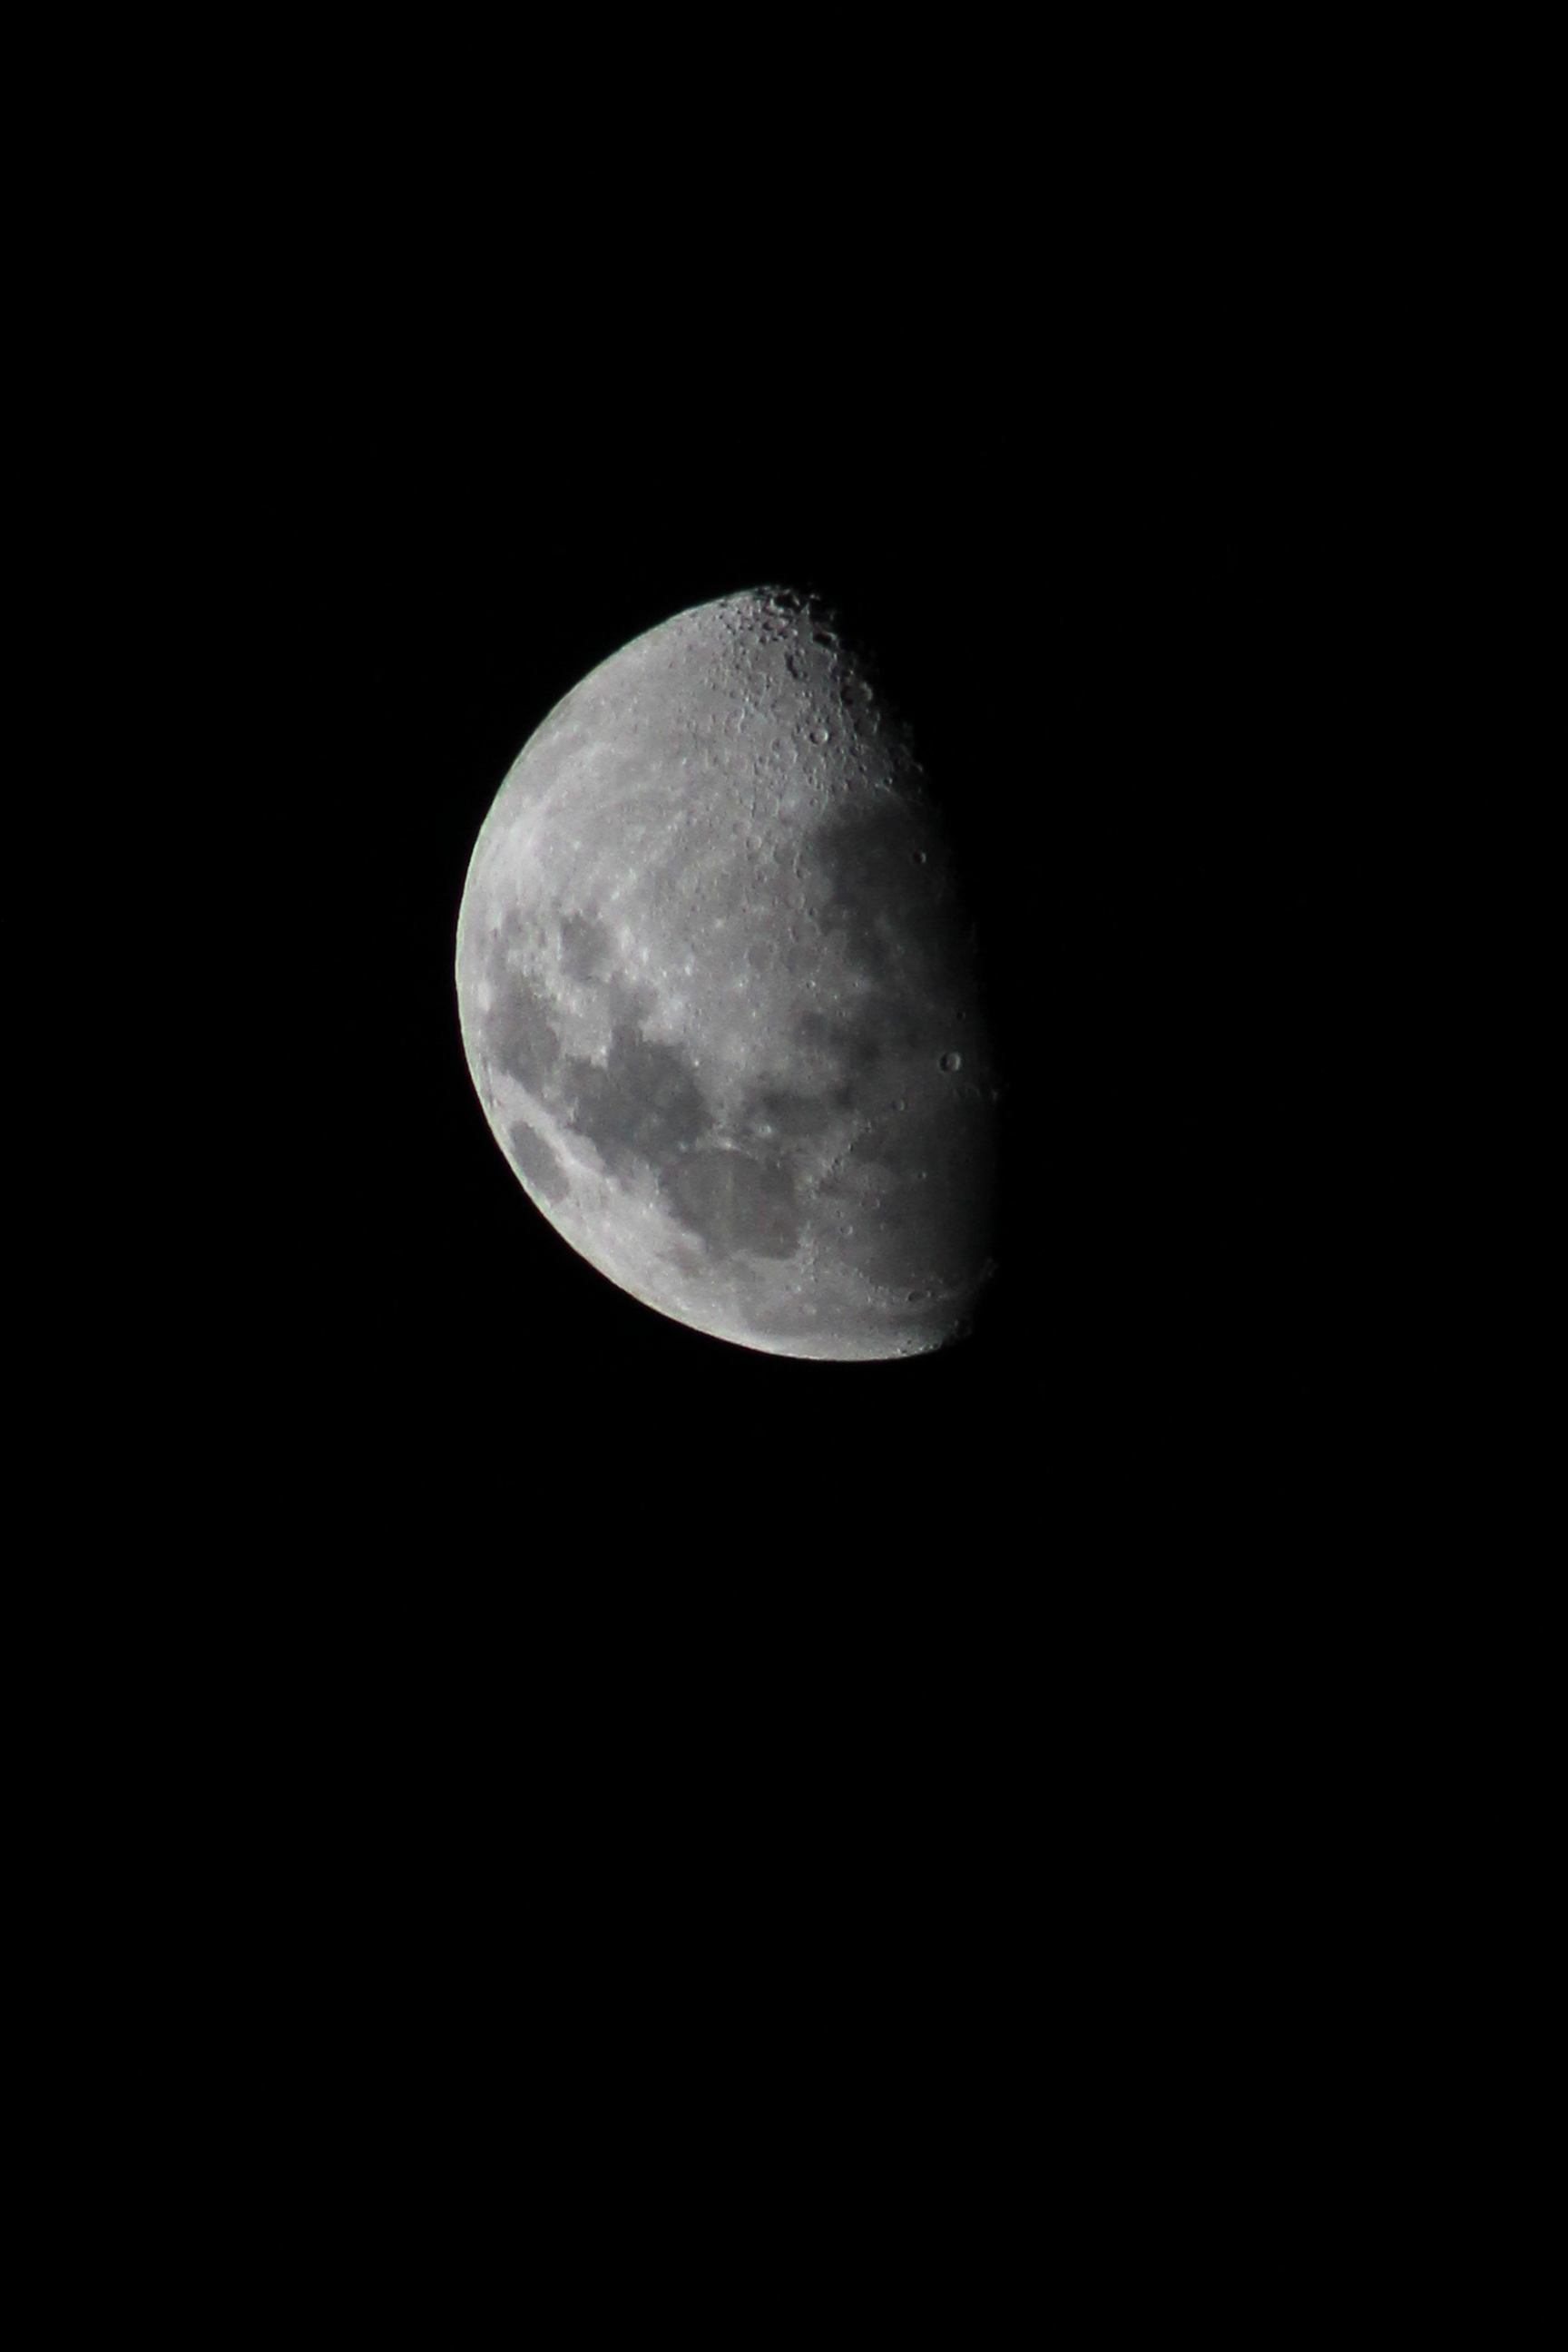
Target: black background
[[507, 1682]]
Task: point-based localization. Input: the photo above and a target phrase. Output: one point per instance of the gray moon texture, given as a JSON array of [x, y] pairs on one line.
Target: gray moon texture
[[718, 995]]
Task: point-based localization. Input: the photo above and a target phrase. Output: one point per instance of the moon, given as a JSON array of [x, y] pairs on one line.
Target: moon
[[720, 998]]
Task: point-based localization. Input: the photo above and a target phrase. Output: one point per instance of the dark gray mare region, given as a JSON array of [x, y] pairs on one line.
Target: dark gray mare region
[[641, 1108]]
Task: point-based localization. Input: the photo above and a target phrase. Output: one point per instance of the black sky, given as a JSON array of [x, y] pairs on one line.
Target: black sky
[[480, 1678]]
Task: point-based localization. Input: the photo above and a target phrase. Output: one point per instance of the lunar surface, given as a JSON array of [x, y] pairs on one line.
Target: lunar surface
[[719, 995]]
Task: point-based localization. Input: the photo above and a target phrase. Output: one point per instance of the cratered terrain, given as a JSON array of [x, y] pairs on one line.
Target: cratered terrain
[[719, 995]]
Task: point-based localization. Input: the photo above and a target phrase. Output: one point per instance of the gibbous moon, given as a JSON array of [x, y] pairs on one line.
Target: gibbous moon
[[718, 998]]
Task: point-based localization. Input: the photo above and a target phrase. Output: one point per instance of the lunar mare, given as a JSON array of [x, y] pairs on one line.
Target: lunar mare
[[718, 997]]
